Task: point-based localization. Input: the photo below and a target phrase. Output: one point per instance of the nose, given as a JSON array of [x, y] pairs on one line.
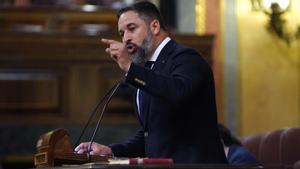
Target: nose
[[126, 37]]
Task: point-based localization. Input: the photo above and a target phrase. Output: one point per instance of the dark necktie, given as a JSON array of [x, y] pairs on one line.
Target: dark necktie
[[142, 96], [149, 64]]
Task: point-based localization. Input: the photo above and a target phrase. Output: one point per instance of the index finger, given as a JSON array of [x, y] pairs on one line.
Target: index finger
[[82, 146], [107, 41]]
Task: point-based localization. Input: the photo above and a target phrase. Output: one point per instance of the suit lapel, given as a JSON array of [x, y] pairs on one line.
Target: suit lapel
[[164, 55], [158, 66]]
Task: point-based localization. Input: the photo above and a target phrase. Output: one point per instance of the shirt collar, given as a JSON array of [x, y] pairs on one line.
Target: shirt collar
[[159, 48]]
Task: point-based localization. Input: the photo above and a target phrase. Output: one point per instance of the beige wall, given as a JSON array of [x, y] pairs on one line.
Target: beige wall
[[268, 73], [258, 90]]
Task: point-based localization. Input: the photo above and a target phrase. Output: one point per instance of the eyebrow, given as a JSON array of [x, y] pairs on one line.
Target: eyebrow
[[128, 25]]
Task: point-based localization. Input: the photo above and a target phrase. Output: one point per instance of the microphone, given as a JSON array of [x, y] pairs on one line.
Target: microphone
[[114, 89], [101, 106]]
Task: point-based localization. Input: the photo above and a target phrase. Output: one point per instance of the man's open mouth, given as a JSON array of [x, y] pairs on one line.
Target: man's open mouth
[[131, 48]]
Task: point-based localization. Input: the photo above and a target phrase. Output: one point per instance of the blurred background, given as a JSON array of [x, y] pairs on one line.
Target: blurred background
[[54, 69]]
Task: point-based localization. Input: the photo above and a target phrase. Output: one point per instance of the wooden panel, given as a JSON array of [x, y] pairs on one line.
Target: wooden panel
[[203, 44], [69, 74], [28, 91], [56, 19]]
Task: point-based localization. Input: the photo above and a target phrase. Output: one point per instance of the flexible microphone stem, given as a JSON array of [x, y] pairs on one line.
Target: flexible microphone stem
[[110, 94]]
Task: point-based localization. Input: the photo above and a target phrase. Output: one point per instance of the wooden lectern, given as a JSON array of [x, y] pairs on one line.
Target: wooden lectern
[[54, 148]]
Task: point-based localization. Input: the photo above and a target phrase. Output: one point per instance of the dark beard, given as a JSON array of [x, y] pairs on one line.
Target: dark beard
[[138, 56], [143, 52]]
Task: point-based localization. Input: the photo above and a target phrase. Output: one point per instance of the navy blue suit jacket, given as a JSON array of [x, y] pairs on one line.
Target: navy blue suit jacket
[[181, 118]]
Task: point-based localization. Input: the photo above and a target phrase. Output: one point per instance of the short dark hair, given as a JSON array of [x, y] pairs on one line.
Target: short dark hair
[[146, 10], [227, 137]]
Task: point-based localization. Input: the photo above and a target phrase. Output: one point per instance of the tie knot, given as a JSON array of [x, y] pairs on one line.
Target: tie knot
[[148, 64]]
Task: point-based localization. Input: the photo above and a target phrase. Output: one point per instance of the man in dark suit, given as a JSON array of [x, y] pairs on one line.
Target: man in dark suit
[[175, 95]]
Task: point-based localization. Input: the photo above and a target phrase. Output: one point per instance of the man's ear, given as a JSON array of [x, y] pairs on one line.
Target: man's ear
[[155, 26]]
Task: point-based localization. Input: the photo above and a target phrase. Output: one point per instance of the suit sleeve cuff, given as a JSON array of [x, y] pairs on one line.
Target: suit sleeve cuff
[[134, 77]]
